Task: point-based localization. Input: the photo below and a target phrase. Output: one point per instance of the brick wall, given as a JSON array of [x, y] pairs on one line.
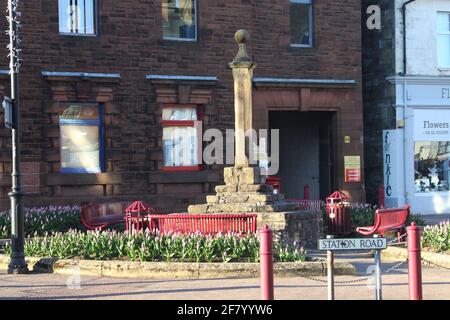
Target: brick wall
[[130, 43]]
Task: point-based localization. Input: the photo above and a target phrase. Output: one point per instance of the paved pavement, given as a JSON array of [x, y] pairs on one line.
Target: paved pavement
[[436, 285]]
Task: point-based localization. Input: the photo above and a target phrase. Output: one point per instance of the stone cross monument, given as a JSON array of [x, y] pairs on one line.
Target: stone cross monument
[[244, 190], [243, 105]]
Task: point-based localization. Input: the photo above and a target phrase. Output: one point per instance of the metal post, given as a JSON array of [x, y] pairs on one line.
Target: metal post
[[414, 263], [17, 264], [330, 272], [378, 293], [266, 264]]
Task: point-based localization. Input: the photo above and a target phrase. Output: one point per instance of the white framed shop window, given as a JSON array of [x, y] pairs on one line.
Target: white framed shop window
[[431, 150]]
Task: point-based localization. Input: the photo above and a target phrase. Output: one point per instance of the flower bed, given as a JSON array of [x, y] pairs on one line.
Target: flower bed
[[38, 221], [437, 238], [149, 246]]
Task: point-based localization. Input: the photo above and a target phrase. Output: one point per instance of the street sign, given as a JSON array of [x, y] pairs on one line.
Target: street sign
[[353, 244], [7, 105]]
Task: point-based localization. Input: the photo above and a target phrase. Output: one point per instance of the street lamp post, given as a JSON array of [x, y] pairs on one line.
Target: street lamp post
[[17, 264]]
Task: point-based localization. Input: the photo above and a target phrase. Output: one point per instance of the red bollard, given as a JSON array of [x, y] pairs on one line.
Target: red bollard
[[266, 263], [306, 192], [414, 263]]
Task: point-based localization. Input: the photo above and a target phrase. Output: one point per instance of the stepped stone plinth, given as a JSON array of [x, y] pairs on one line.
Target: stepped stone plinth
[[243, 192]]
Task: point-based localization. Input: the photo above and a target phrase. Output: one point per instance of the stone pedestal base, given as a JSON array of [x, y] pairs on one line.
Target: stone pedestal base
[[302, 227], [245, 192]]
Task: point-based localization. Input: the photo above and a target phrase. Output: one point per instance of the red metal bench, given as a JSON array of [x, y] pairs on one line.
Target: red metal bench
[[101, 215], [387, 219], [203, 223]]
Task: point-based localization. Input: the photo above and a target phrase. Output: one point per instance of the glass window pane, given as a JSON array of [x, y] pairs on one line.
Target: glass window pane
[[89, 17], [179, 19], [443, 22], [180, 146], [179, 114], [432, 166], [80, 147], [65, 22], [300, 24], [80, 112], [77, 16], [443, 48]]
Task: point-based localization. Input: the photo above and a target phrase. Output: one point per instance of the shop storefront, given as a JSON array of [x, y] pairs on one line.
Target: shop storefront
[[417, 153]]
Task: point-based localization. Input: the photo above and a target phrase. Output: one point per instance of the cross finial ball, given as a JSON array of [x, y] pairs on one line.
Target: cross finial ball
[[241, 36]]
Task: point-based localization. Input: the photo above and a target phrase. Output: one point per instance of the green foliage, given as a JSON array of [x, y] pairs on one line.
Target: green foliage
[[437, 237], [415, 218], [148, 246], [39, 221], [362, 215]]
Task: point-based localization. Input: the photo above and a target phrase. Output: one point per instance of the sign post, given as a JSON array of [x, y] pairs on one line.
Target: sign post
[[378, 272], [330, 245], [330, 272]]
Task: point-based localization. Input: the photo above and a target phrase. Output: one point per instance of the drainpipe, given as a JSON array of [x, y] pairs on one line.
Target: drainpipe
[[405, 101]]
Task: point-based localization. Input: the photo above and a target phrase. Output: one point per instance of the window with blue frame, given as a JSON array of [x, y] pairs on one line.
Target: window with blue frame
[[81, 129], [78, 17], [179, 20], [301, 14]]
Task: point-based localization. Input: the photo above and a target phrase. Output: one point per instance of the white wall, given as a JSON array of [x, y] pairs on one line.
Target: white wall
[[421, 31]]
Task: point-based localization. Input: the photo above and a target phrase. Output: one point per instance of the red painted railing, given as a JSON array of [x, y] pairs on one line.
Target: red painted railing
[[203, 223]]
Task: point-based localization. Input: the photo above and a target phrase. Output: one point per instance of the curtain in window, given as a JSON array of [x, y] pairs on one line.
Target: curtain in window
[[180, 146], [80, 139], [180, 114], [80, 147]]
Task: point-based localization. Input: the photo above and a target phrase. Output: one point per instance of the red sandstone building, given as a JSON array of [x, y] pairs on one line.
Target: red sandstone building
[[103, 84]]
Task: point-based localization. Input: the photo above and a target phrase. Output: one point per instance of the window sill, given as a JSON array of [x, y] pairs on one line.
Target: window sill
[[179, 39], [182, 169], [293, 45], [82, 35], [80, 170]]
